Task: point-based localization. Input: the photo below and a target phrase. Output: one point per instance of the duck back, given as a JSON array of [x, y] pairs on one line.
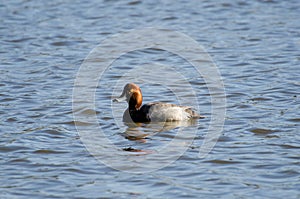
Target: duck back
[[158, 111]]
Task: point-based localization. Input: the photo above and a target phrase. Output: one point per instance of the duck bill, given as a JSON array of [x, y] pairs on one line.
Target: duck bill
[[121, 98]]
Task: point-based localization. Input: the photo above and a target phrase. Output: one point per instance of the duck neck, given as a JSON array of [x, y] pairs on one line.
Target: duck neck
[[132, 106], [135, 102]]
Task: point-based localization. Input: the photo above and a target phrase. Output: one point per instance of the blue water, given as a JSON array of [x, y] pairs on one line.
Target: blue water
[[254, 44]]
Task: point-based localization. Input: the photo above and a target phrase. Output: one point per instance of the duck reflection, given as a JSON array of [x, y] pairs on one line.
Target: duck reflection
[[142, 131]]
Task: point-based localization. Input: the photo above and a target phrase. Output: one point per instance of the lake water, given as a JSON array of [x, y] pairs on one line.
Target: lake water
[[254, 44]]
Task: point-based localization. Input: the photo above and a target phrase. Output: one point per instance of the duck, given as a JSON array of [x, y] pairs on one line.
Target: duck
[[154, 111]]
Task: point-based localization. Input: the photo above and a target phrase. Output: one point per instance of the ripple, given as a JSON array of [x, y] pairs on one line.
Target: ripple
[[223, 162], [62, 43], [289, 146], [261, 99], [260, 131], [12, 148], [294, 120], [48, 151], [20, 40]]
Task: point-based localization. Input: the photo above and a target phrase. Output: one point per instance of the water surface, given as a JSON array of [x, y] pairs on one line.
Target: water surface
[[255, 46]]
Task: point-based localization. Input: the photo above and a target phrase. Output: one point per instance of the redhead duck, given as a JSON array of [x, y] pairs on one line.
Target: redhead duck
[[155, 111]]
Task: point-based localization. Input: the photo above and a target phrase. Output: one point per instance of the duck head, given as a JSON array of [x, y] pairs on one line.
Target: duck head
[[133, 95]]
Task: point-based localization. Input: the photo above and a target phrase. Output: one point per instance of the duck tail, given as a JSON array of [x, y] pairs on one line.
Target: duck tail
[[194, 114]]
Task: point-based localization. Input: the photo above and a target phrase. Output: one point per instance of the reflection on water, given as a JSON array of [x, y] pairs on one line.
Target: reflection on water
[[141, 131], [255, 44]]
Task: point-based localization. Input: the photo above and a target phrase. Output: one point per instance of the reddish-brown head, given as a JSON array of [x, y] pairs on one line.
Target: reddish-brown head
[[133, 95]]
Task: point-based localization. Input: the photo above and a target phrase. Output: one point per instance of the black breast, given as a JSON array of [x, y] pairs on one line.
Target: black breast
[[140, 115]]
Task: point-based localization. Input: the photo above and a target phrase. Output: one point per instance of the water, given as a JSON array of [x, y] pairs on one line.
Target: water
[[255, 46]]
